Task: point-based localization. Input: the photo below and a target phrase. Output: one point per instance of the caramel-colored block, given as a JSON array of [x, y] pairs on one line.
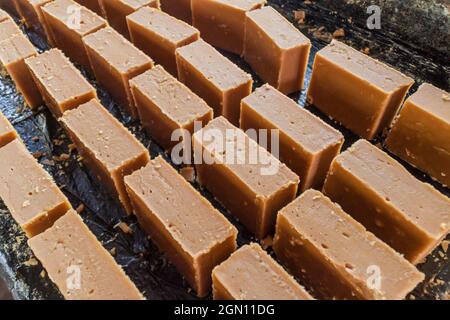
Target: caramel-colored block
[[10, 6], [421, 133], [31, 11], [13, 53], [8, 28], [222, 22], [68, 22], [185, 226], [164, 105], [214, 78], [7, 131], [360, 92], [251, 274], [335, 255], [28, 191], [117, 11], [159, 35], [61, 84], [106, 146], [93, 5], [78, 264], [251, 183], [307, 145], [115, 61], [276, 50], [411, 216], [3, 15], [180, 9]]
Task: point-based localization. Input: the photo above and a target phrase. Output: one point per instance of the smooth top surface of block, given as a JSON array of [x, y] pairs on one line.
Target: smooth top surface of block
[[419, 202], [248, 172], [8, 28], [283, 33], [365, 67], [70, 248], [220, 71], [192, 220], [16, 49], [163, 25], [299, 124], [350, 248], [118, 51], [27, 189], [59, 76], [172, 97], [103, 135], [251, 274], [136, 4], [433, 100], [64, 11]]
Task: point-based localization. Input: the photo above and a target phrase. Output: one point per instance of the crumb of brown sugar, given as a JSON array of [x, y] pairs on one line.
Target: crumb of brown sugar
[[339, 33]]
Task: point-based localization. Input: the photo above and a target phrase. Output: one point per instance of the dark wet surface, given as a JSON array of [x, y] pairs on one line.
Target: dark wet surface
[[141, 260]]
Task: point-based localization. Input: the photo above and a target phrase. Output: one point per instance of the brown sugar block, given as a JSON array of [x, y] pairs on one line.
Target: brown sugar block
[[115, 61], [93, 5], [4, 15], [10, 6], [276, 50], [185, 226], [8, 28], [214, 78], [251, 183], [13, 53], [159, 35], [222, 22], [411, 216], [61, 84], [358, 91], [106, 146], [116, 12], [28, 191], [164, 105], [307, 145], [335, 255], [31, 11], [7, 131], [421, 133], [251, 274], [180, 9], [79, 265], [68, 22]]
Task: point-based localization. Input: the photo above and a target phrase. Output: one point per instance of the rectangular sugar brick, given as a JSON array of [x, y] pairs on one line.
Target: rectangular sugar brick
[[7, 131], [106, 146], [69, 249], [356, 90], [13, 53], [276, 50], [164, 105], [8, 29], [93, 5], [117, 11], [222, 22], [411, 216], [243, 176], [28, 191], [335, 255], [10, 6], [159, 35], [180, 9], [62, 86], [4, 15], [307, 145], [421, 133], [115, 61], [31, 12], [214, 78], [185, 226], [251, 274], [68, 22]]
